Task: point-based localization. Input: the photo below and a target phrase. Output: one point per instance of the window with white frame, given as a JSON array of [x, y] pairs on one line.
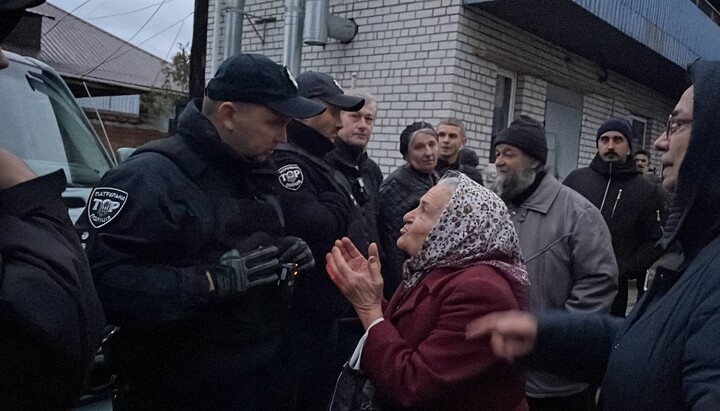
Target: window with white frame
[[639, 128], [505, 84]]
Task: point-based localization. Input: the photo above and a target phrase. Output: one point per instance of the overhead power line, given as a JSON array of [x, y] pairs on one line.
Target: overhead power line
[[63, 17], [182, 20], [128, 41], [125, 13]]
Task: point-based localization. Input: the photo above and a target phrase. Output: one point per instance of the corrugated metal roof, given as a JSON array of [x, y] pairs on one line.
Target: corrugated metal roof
[[75, 48]]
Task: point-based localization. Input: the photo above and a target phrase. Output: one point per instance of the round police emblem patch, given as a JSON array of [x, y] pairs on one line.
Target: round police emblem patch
[[105, 204], [291, 176]]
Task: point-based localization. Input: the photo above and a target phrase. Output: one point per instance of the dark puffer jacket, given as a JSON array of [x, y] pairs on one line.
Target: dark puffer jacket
[[399, 193]]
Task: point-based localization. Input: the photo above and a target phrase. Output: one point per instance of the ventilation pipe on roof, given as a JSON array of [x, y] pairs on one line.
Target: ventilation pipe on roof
[[233, 27], [320, 24]]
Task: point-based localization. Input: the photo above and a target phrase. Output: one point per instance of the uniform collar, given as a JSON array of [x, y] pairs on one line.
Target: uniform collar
[[308, 139]]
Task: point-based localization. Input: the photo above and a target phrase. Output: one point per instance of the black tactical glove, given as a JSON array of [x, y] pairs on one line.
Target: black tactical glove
[[254, 262], [294, 250]]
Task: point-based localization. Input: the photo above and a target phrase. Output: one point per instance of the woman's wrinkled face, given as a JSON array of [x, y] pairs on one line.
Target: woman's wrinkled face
[[422, 152], [421, 220]]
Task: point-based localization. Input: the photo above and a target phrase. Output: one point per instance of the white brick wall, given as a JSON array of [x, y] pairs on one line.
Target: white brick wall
[[425, 60]]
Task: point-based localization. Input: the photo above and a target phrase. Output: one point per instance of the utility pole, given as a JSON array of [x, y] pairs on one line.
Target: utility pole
[[198, 49]]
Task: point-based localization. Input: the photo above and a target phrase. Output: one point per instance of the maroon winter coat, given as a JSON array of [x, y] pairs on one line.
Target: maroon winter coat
[[419, 358]]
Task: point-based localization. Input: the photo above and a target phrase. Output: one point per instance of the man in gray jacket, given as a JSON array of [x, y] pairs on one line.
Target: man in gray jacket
[[566, 244]]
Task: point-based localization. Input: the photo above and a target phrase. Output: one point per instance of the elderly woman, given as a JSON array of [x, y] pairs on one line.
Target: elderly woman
[[401, 192], [465, 261]]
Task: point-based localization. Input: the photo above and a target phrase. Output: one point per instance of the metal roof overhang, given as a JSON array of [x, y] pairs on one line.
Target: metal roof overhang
[[575, 29]]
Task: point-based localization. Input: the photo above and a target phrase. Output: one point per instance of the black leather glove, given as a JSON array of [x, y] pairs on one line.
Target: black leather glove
[[254, 262], [294, 250]]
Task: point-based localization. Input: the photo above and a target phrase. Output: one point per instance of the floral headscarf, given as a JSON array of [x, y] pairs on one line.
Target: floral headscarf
[[474, 228]]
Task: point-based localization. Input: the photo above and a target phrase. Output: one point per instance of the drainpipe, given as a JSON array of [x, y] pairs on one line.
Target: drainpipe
[[233, 27], [216, 37], [292, 47]]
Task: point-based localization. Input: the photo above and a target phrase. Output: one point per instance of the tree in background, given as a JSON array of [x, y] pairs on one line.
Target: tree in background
[[173, 90]]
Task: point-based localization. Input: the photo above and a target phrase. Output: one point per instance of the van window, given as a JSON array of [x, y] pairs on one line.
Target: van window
[[41, 123]]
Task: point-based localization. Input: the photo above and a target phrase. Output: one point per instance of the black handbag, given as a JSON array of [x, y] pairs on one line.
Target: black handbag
[[354, 390]]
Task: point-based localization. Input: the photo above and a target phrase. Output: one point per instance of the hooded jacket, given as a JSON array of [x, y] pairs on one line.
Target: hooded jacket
[[665, 355], [631, 206]]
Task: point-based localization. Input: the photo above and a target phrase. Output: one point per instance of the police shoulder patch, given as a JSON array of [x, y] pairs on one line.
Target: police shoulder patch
[[104, 205], [291, 176]]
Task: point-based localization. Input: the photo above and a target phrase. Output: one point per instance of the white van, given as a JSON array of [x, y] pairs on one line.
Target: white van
[[41, 122]]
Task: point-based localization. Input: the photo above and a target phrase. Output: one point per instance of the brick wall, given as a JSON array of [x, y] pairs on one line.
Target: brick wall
[[123, 131], [425, 60]]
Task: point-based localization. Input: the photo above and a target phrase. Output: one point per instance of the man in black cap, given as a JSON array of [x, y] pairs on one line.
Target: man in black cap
[[631, 205], [320, 207], [400, 193], [566, 245], [188, 251]]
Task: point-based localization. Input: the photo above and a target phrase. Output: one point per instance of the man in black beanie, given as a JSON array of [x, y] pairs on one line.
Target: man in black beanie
[[566, 244], [631, 205]]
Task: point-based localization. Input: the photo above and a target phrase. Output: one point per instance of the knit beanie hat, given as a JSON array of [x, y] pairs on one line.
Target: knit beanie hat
[[468, 156], [620, 125], [409, 130], [528, 135]]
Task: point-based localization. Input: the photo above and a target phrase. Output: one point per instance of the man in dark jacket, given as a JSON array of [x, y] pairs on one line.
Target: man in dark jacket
[[187, 246], [451, 139], [351, 159], [51, 318], [631, 206], [401, 192], [665, 355], [320, 206]]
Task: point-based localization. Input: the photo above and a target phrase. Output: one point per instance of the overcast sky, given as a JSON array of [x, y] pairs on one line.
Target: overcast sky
[[123, 18]]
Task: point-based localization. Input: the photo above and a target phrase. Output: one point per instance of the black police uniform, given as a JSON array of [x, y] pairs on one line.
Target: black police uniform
[[319, 208], [155, 230], [365, 178], [52, 320]]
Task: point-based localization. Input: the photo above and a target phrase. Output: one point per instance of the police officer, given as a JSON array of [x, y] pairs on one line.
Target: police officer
[[319, 207], [187, 244]]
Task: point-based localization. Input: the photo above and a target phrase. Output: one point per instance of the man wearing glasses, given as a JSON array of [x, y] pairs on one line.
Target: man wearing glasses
[[631, 206]]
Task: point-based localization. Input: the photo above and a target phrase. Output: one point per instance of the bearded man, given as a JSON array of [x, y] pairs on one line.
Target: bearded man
[[566, 245]]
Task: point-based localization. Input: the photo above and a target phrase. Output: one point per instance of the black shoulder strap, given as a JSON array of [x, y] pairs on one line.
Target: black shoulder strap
[[187, 160]]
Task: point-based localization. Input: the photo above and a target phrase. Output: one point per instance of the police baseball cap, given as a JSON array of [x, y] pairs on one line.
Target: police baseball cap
[[312, 84], [254, 78]]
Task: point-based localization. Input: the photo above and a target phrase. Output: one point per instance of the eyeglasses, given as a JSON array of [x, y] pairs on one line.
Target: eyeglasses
[[675, 124]]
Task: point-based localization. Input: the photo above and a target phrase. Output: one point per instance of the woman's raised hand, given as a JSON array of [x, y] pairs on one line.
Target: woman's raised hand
[[359, 279]]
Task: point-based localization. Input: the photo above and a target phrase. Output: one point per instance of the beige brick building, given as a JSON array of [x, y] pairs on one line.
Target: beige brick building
[[425, 60]]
